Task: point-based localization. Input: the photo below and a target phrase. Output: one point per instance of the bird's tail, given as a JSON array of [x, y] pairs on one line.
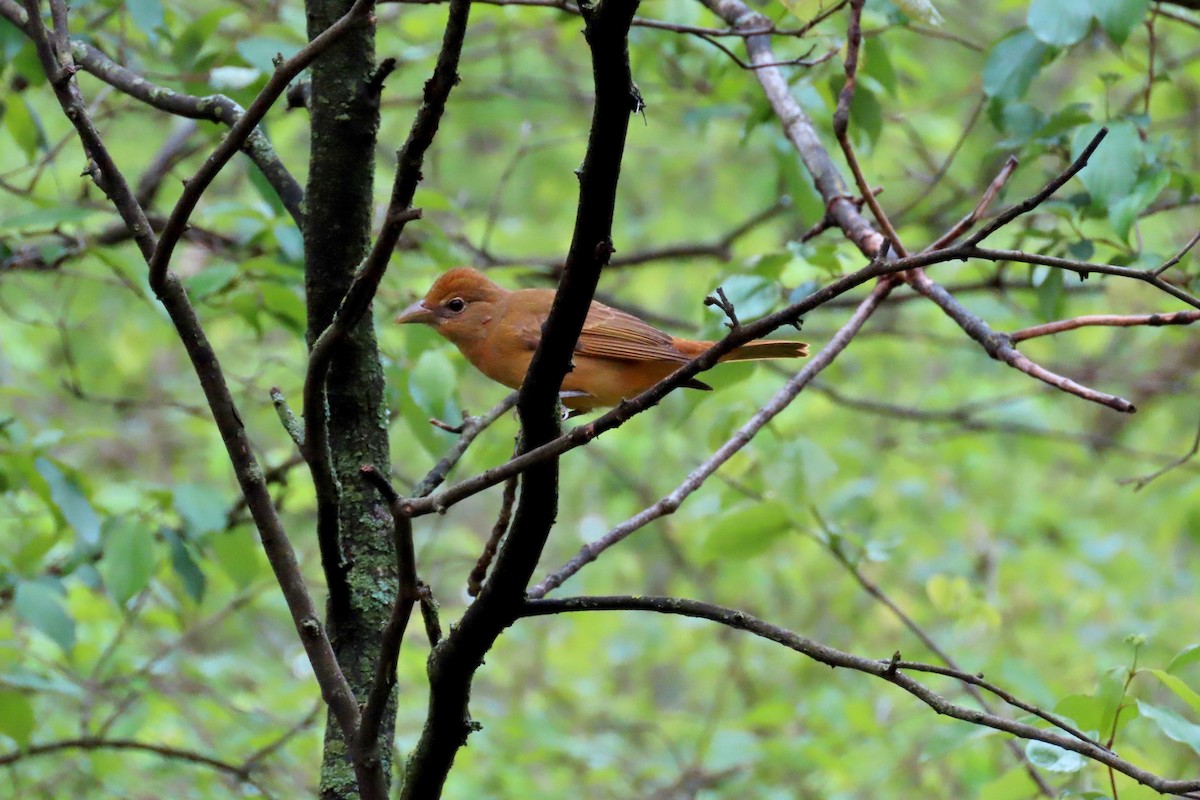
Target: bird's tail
[[768, 348]]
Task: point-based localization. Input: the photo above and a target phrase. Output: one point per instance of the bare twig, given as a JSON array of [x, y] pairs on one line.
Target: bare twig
[[1105, 320], [841, 126], [1000, 348], [240, 132], [671, 502], [216, 108], [471, 428], [895, 673], [797, 124], [1145, 480], [240, 772], [503, 518], [1175, 259], [1036, 200]]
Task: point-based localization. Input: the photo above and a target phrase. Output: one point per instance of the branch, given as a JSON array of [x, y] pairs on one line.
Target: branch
[[334, 687], [456, 659], [720, 249], [471, 427], [240, 132], [832, 542], [642, 22], [499, 528], [891, 670], [797, 125], [362, 291], [240, 772], [215, 107], [1036, 200], [1105, 320], [841, 126], [407, 594], [999, 347], [671, 502], [1145, 480]]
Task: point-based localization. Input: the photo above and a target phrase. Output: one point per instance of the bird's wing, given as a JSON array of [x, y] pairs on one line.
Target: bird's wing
[[609, 333]]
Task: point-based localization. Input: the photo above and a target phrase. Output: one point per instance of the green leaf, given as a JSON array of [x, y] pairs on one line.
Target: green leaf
[[1172, 725], [128, 560], [210, 280], [1051, 295], [878, 64], [185, 566], [283, 303], [147, 16], [201, 507], [1185, 657], [238, 555], [16, 716], [44, 218], [1173, 682], [432, 384], [1053, 758], [24, 126], [1120, 17], [1112, 170], [70, 502], [746, 531], [1059, 23], [1012, 65], [1124, 212], [38, 603], [11, 41], [920, 11]]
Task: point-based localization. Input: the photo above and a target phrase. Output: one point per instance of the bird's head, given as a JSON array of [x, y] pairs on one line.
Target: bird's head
[[457, 305]]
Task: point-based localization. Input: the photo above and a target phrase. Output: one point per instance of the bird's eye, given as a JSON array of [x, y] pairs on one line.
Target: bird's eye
[[456, 305]]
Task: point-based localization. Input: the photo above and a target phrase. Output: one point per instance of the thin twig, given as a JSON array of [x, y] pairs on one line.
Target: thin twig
[[240, 132], [1145, 480], [503, 518], [1105, 320], [1036, 200], [671, 502], [892, 672], [471, 428]]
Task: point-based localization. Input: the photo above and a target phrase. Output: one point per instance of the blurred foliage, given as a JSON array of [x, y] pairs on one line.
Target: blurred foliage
[[135, 603]]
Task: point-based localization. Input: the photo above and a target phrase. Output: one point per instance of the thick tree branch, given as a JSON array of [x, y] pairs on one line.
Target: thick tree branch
[[456, 659], [891, 670]]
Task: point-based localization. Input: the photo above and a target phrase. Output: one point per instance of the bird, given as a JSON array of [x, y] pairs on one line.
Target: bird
[[617, 357]]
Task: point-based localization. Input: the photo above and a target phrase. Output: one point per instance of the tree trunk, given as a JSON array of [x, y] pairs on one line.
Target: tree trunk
[[345, 121]]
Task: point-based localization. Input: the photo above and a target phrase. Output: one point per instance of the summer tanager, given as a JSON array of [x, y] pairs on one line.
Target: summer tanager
[[618, 355]]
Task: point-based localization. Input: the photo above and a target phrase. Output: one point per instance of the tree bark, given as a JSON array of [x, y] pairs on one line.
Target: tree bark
[[345, 122]]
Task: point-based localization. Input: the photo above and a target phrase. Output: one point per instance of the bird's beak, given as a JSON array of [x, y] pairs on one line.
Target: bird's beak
[[417, 312]]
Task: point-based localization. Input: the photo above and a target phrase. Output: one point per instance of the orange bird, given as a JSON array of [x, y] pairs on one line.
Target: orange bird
[[617, 356]]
